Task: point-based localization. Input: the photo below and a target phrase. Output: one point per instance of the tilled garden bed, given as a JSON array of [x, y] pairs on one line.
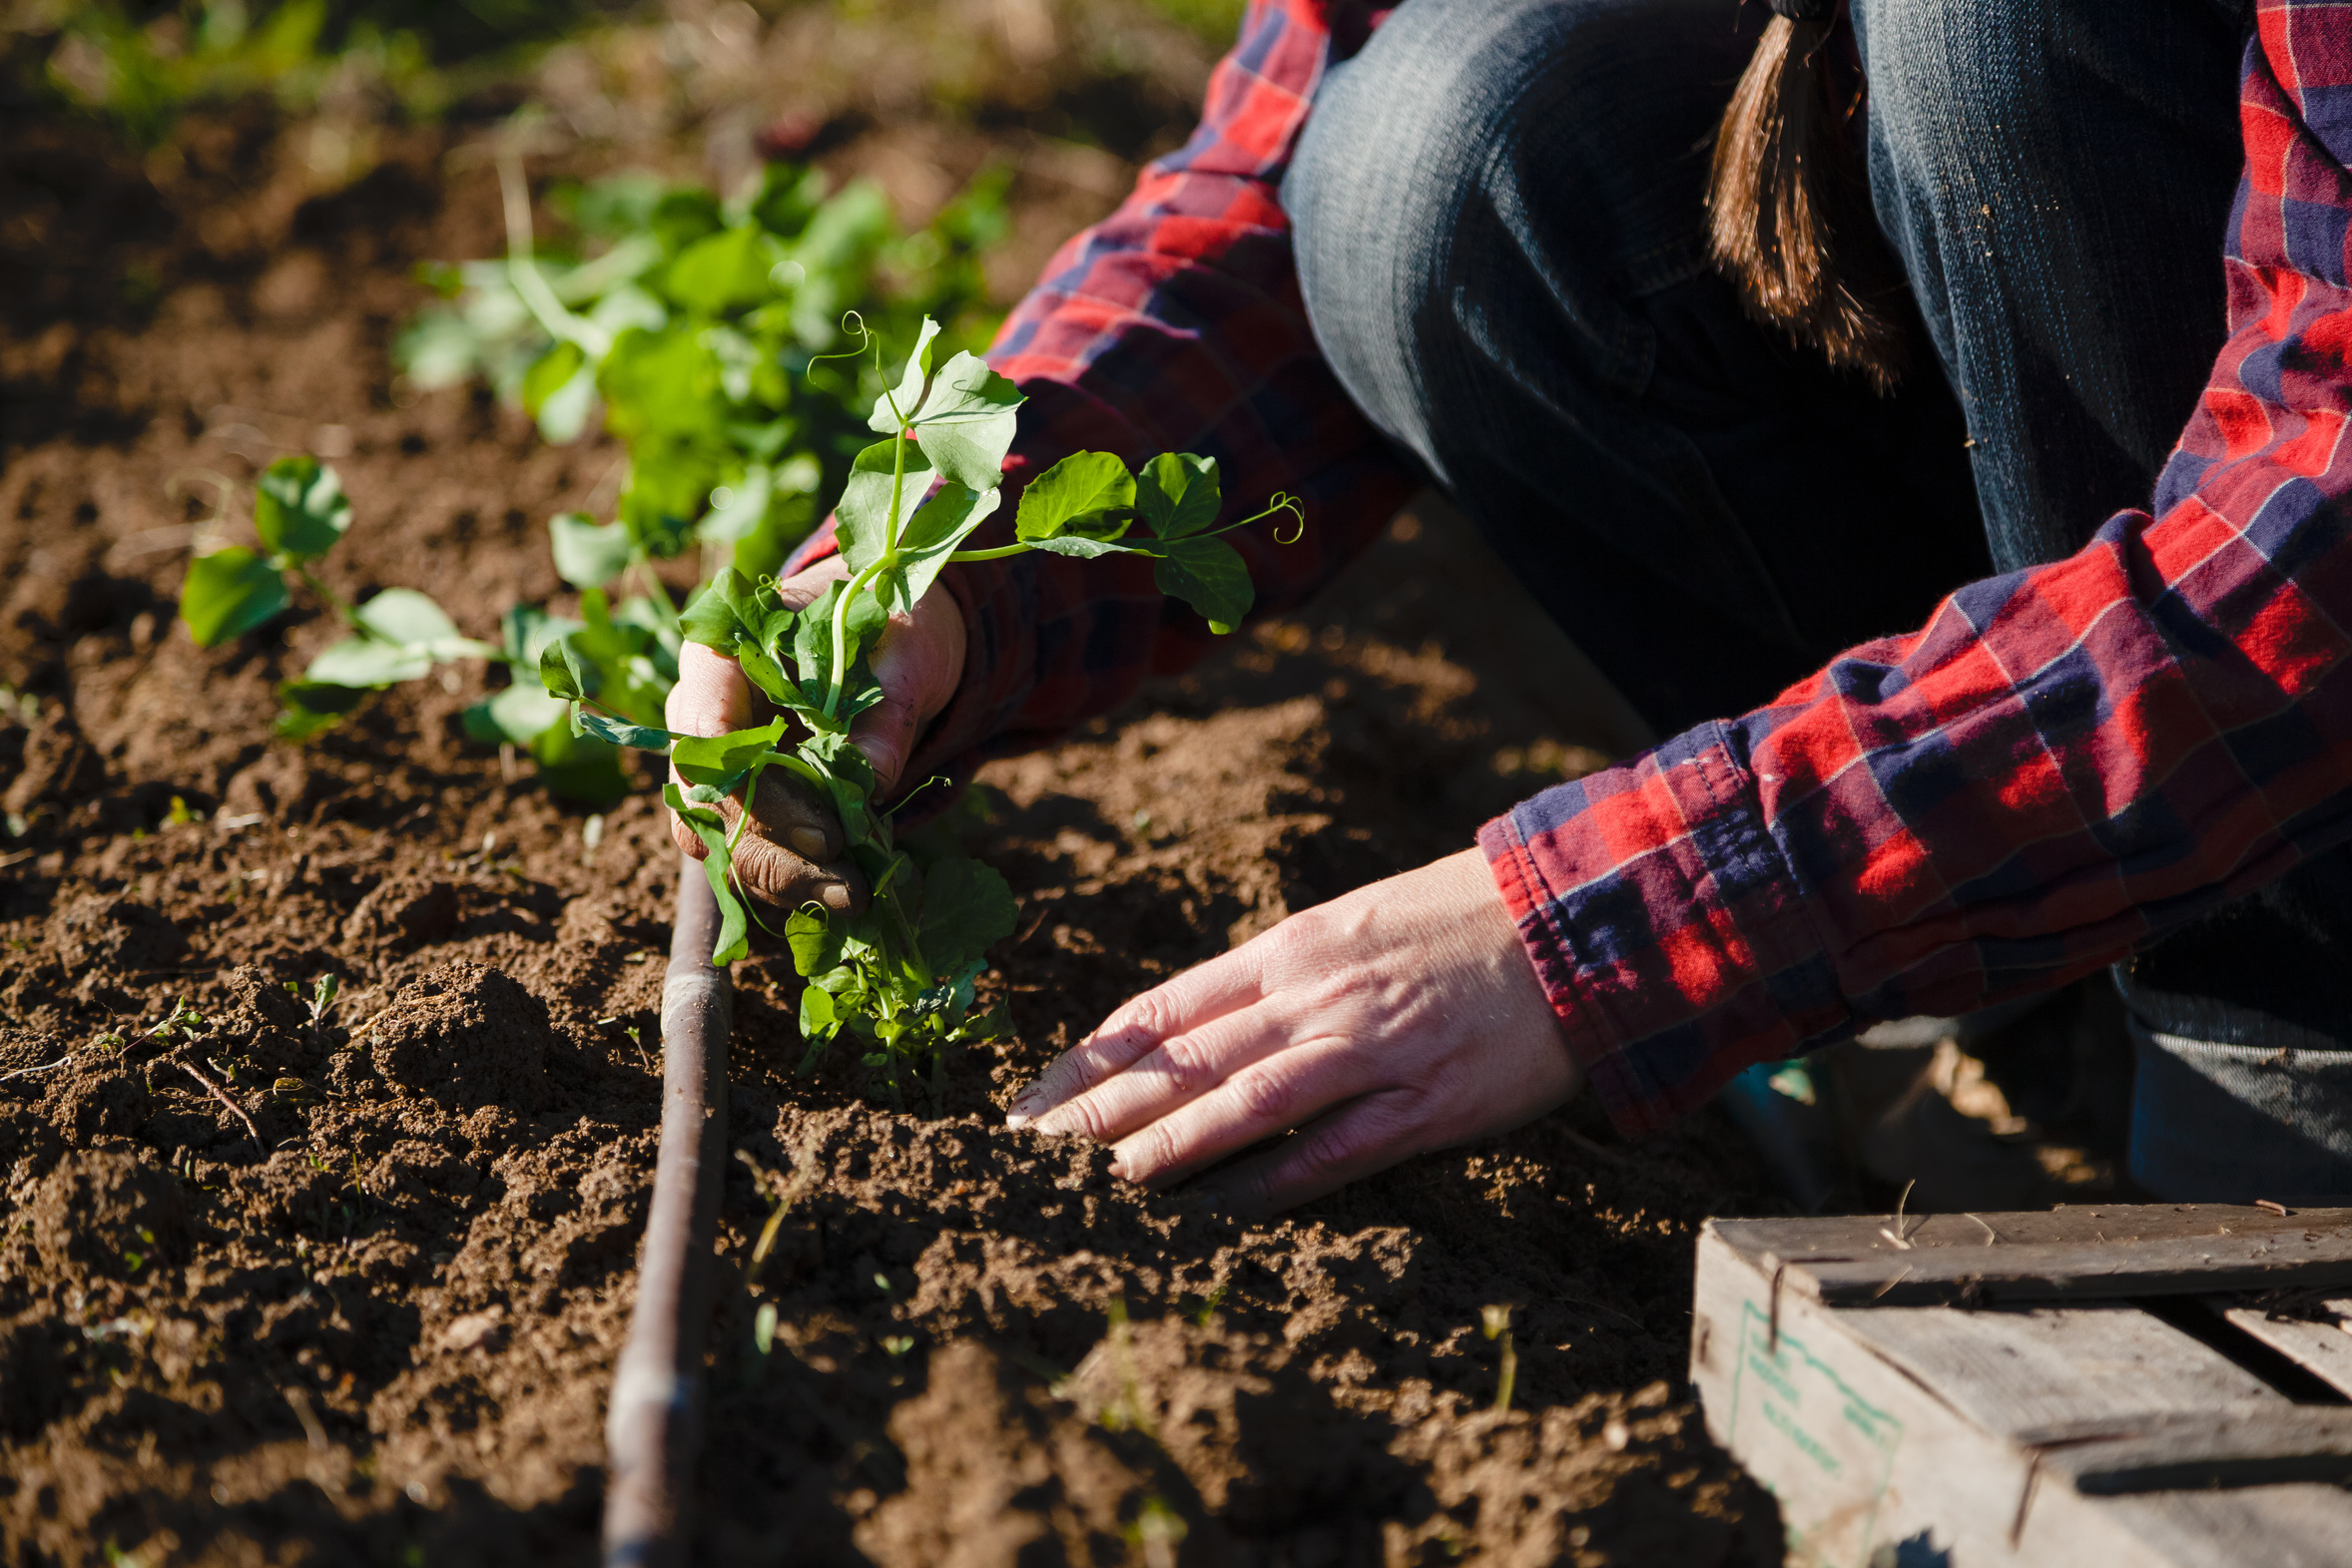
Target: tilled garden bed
[[289, 1282]]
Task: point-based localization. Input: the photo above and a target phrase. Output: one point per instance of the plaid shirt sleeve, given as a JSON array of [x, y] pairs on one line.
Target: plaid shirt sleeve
[[2066, 763], [1175, 324]]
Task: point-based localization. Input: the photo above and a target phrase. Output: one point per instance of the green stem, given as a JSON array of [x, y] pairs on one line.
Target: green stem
[[840, 632], [350, 617], [654, 587], [888, 558], [997, 553], [522, 271]]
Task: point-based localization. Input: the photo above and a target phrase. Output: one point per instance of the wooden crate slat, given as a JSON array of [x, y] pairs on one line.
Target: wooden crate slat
[[2174, 1450], [1992, 1274], [2299, 1526], [2013, 1370], [2321, 1348], [2067, 1225], [2019, 1437]]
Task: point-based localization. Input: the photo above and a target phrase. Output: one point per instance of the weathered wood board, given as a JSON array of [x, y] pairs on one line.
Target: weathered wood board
[[1965, 1391]]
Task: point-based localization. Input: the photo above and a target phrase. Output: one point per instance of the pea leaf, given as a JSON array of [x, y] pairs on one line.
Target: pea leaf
[[562, 672], [819, 1020], [369, 662], [1085, 549], [897, 409], [312, 707], [943, 523], [645, 738], [521, 713], [587, 554], [227, 594], [720, 760], [708, 825], [864, 511], [1209, 575], [816, 944], [547, 394], [721, 272], [407, 618], [720, 612], [812, 637], [966, 907], [1177, 494], [968, 422], [299, 509], [1090, 493]]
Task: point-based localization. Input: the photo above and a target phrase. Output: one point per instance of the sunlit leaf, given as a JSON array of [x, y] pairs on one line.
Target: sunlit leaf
[[1177, 494], [1090, 493], [1209, 575], [299, 509], [587, 554], [229, 593]]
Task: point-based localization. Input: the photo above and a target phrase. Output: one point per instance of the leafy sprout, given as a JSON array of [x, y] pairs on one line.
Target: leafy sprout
[[898, 982]]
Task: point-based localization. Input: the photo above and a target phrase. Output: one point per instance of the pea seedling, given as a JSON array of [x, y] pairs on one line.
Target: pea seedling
[[899, 978]]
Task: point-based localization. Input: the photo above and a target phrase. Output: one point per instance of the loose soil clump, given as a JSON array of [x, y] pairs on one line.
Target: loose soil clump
[[290, 1283]]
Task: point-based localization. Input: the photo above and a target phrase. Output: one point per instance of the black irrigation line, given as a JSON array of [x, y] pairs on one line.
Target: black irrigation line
[[652, 1428]]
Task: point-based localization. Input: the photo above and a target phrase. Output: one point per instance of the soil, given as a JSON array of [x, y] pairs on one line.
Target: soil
[[288, 1283]]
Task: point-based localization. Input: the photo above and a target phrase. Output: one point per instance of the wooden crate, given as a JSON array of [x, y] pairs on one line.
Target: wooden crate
[[2088, 1385]]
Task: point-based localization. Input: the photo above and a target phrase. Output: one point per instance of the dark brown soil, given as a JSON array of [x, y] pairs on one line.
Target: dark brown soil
[[347, 1287]]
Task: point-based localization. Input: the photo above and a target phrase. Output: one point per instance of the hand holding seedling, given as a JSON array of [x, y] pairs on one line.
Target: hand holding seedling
[[793, 851], [1400, 1018], [847, 663]]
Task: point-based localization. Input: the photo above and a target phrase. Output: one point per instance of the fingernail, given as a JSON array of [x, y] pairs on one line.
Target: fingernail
[[834, 896], [1027, 1107], [808, 844]]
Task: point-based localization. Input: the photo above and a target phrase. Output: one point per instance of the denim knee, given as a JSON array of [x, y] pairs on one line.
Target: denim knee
[[1463, 104], [2055, 176]]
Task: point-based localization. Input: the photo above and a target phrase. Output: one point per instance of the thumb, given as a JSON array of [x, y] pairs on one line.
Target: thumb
[[917, 663]]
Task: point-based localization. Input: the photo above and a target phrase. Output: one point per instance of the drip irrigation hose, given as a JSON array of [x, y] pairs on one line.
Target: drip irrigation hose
[[653, 1430]]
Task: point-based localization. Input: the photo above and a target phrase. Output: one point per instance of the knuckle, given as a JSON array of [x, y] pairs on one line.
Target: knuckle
[[1186, 1063], [1087, 1119], [1266, 1095], [1335, 1147]]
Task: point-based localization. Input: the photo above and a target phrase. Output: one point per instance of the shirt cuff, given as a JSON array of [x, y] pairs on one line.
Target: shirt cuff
[[1667, 927]]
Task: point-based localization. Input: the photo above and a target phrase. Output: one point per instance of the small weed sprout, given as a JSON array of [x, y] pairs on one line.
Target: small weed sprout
[[1209, 1305], [1496, 1324], [897, 1343], [1157, 1532], [764, 1327]]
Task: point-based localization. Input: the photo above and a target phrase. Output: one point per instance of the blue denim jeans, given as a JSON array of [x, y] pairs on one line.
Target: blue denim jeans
[[1500, 215]]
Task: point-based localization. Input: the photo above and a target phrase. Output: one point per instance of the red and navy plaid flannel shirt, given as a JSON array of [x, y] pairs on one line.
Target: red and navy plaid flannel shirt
[[2066, 761]]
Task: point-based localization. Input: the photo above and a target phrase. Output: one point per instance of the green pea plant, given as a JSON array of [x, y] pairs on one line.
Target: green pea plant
[[899, 980], [692, 334]]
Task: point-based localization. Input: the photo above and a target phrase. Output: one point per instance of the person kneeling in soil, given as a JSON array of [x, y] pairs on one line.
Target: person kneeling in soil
[[1469, 243]]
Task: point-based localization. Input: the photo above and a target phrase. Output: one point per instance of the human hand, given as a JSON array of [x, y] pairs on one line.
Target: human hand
[[794, 851], [1400, 1018]]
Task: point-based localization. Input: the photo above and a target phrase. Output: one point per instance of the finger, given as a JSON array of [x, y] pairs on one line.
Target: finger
[[788, 814], [1287, 1088], [711, 696], [917, 663], [686, 838], [775, 874], [1345, 1143], [1173, 1073], [1222, 985]]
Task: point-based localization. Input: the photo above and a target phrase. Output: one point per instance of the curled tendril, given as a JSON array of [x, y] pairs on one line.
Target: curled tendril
[[853, 323], [1283, 502]]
